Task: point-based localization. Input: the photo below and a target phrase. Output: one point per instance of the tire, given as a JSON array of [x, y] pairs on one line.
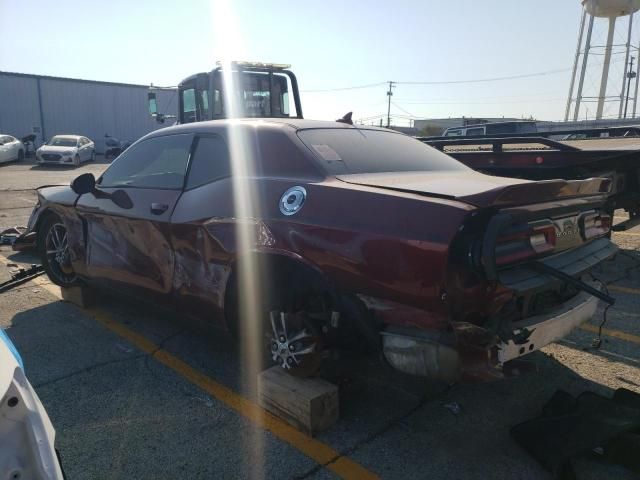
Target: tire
[[93, 156], [20, 155], [288, 325], [53, 248], [76, 160]]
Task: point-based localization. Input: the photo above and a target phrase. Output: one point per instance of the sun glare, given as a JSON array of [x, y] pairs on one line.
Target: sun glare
[[228, 46]]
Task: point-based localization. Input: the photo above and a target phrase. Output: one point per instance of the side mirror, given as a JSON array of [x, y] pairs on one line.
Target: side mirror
[[85, 183], [153, 103]]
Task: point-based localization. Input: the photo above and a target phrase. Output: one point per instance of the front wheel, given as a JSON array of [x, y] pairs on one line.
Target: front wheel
[[20, 155], [76, 160], [93, 156], [53, 246]]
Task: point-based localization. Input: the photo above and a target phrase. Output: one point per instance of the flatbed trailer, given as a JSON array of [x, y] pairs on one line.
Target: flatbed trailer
[[537, 157]]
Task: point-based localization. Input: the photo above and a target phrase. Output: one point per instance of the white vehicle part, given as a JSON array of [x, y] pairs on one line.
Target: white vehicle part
[[26, 434]]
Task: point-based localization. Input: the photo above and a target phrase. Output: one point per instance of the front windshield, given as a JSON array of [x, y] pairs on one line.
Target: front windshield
[[63, 142], [353, 150]]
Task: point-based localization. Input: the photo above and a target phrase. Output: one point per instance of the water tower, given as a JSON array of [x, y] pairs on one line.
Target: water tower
[[605, 11]]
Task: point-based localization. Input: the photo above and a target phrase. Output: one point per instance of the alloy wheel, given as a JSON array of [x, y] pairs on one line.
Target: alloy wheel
[[57, 253]]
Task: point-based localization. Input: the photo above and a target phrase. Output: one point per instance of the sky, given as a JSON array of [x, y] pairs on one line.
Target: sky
[[331, 44]]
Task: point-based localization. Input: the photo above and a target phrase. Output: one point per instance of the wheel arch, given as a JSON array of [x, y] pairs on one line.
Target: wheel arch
[[275, 265]]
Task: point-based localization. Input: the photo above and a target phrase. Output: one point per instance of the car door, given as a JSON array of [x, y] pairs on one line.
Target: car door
[[86, 148], [13, 147], [82, 149], [127, 233], [5, 153]]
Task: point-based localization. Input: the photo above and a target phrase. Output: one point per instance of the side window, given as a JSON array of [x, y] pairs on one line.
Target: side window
[[209, 162], [475, 131], [189, 105], [159, 162]]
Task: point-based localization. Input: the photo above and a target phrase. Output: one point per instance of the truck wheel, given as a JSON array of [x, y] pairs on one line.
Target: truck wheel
[[53, 247]]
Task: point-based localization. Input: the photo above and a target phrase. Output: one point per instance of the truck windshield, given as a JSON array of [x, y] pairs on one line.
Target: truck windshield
[[352, 150]]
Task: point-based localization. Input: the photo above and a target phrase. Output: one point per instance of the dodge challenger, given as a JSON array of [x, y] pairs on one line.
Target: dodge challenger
[[358, 237]]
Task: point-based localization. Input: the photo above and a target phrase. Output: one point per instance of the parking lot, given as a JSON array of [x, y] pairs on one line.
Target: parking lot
[[145, 393]]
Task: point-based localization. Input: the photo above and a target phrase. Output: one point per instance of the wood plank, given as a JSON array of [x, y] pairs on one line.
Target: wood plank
[[309, 404], [84, 297]]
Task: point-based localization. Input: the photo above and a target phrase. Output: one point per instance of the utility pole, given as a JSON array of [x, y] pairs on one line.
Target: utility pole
[[630, 74], [389, 94]]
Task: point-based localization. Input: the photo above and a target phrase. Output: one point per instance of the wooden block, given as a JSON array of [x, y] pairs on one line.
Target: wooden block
[[309, 404], [84, 297]]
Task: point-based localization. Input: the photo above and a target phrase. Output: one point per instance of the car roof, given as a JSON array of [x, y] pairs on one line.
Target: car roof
[[76, 137], [213, 126]]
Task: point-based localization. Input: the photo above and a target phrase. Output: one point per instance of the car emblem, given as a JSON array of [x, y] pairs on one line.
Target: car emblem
[[567, 228], [292, 200]]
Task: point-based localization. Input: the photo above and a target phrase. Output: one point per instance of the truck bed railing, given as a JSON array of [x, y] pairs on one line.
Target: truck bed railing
[[613, 132], [497, 143]]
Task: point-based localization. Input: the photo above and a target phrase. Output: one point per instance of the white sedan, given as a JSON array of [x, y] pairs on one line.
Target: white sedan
[[67, 150], [10, 148]]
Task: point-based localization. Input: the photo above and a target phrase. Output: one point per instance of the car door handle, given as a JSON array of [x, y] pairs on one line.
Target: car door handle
[[159, 208]]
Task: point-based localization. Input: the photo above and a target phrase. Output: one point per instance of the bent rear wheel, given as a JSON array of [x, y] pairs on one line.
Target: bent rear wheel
[[53, 244]]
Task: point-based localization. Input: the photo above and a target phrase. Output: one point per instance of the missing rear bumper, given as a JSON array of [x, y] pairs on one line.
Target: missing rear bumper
[[545, 329]]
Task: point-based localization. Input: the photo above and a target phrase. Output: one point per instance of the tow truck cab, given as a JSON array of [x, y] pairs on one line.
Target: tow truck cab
[[262, 90]]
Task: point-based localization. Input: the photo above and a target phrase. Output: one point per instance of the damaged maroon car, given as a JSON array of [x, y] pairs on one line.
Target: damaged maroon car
[[364, 236]]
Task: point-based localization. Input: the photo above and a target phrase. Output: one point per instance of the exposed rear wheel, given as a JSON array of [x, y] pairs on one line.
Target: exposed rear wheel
[[291, 320], [295, 343], [53, 245]]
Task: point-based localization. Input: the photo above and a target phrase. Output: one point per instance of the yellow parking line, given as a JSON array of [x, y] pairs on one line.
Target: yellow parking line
[[320, 452], [628, 337], [617, 288]]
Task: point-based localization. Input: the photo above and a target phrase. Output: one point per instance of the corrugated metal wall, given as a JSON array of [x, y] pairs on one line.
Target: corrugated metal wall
[[53, 106]]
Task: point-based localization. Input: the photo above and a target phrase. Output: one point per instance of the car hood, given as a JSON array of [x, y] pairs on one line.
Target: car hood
[[479, 189], [52, 149]]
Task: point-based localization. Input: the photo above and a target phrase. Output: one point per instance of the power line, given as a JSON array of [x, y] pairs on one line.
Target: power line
[[492, 79], [356, 87], [441, 82]]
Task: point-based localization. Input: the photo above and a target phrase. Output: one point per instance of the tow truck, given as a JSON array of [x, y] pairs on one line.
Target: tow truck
[[262, 90], [612, 153]]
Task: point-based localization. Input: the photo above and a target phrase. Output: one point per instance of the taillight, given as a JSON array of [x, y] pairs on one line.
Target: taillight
[[523, 242], [594, 224]]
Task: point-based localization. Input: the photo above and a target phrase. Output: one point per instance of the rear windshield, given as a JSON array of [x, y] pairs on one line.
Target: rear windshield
[[344, 151]]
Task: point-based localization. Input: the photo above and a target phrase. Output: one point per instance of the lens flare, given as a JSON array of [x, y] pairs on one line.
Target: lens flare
[[240, 137]]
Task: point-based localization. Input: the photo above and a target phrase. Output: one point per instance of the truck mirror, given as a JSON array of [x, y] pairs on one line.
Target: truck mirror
[[153, 104]]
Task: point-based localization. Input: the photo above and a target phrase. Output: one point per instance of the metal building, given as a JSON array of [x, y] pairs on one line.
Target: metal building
[[50, 106]]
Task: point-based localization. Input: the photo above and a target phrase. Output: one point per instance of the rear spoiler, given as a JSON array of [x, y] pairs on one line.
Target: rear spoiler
[[538, 192]]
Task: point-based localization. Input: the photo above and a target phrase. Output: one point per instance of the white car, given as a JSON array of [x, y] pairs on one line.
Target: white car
[[10, 148], [26, 435], [66, 150]]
